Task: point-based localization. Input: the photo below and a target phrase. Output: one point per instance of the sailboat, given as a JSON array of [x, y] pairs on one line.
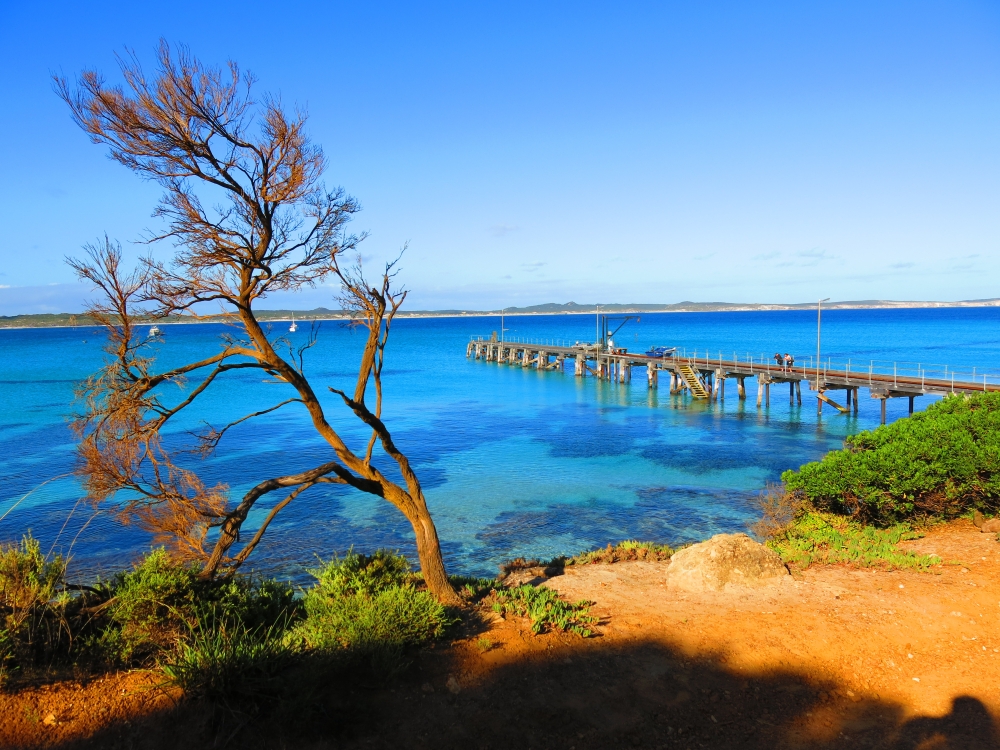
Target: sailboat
[[293, 328]]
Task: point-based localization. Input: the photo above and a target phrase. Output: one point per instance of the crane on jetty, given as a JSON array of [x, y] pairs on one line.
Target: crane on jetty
[[704, 375]]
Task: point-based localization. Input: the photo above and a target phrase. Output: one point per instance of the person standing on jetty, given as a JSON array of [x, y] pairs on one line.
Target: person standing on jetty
[[780, 362], [789, 361]]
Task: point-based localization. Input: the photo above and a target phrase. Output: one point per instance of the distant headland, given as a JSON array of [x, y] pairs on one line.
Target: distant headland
[[47, 320]]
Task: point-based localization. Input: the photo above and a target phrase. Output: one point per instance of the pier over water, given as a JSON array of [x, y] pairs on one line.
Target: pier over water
[[704, 376]]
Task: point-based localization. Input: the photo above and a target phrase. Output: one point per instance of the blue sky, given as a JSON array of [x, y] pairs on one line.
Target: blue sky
[[543, 152]]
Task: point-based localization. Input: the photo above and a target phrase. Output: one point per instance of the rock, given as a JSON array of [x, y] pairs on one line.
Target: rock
[[991, 527], [725, 558], [50, 720], [453, 687], [427, 687]]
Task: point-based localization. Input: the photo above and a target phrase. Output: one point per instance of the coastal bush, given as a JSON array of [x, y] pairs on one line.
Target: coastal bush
[[241, 639], [136, 618], [31, 602], [361, 615], [937, 464], [369, 607], [160, 604], [817, 537]]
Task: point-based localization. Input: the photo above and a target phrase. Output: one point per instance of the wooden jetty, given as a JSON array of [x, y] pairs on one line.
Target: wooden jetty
[[704, 376]]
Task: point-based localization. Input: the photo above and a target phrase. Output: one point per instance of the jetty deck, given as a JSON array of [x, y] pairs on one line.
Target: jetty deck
[[704, 376]]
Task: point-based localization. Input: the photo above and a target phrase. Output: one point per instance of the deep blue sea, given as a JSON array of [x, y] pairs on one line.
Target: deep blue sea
[[514, 462]]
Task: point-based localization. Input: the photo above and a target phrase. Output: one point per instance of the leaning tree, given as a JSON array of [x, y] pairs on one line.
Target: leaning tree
[[272, 226]]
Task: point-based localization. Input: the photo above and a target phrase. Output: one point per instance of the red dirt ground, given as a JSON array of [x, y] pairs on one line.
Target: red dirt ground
[[835, 657]]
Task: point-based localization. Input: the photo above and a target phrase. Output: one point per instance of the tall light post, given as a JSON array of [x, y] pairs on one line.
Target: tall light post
[[819, 312], [597, 342]]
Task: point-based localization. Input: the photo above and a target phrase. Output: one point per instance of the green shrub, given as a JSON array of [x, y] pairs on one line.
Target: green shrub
[[223, 639], [149, 609], [27, 579], [369, 605], [545, 609], [160, 604], [937, 464], [31, 604], [815, 537]]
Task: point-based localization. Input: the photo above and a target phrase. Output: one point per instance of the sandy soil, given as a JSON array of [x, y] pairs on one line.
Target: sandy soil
[[835, 657]]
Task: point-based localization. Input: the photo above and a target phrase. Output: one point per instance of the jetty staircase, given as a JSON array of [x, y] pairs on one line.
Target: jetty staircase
[[693, 382]]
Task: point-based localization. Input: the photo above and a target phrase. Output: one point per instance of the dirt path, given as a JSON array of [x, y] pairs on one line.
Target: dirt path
[[833, 658], [916, 639]]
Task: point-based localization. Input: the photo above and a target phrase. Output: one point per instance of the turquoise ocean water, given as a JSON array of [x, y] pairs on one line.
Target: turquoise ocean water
[[513, 462]]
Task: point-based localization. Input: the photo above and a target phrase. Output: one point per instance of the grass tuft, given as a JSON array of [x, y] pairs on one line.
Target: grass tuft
[[484, 644], [230, 663]]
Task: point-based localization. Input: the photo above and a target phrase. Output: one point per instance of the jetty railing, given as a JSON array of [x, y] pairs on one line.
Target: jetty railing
[[522, 341], [861, 371]]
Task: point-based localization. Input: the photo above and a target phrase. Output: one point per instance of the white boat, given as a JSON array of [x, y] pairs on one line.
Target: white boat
[[154, 332], [292, 328]]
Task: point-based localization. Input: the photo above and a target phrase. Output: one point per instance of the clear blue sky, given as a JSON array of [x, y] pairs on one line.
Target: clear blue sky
[[536, 152]]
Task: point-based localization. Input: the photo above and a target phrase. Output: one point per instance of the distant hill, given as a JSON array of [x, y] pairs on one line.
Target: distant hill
[[549, 308]]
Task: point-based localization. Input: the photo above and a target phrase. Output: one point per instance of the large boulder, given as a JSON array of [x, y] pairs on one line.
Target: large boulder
[[723, 559]]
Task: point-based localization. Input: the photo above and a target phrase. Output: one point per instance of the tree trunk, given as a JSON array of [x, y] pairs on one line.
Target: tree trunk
[[429, 552]]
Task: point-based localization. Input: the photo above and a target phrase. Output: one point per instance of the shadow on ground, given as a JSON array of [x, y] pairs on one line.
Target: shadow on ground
[[563, 694]]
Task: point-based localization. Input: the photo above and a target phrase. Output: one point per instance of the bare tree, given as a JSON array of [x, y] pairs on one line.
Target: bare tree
[[197, 132]]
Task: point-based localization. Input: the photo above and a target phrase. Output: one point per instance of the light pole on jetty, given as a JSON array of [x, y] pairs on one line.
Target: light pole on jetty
[[819, 311]]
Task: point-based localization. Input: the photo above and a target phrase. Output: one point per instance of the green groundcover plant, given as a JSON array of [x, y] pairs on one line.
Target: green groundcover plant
[[940, 463], [829, 538], [545, 609]]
